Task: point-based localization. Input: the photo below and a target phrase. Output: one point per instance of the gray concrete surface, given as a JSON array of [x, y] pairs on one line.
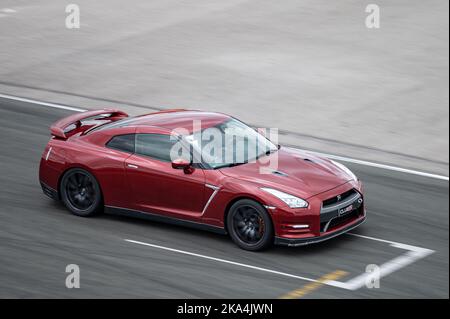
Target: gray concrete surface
[[39, 237], [310, 68]]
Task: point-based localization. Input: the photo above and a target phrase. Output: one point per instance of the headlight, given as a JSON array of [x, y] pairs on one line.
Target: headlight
[[290, 200], [346, 170]]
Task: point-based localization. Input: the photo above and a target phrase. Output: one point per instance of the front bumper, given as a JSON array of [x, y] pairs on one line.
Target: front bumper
[[329, 214], [292, 242]]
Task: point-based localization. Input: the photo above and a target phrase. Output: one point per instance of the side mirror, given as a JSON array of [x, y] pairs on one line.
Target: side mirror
[[182, 164]]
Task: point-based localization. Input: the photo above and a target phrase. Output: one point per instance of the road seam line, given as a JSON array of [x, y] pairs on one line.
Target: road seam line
[[330, 156]]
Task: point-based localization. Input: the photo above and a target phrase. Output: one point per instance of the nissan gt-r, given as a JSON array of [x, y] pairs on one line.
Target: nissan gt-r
[[161, 166]]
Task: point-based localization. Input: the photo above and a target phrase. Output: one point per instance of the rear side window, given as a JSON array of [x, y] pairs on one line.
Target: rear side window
[[157, 146], [124, 143]]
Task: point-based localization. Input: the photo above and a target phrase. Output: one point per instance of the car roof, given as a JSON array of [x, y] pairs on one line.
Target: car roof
[[169, 120]]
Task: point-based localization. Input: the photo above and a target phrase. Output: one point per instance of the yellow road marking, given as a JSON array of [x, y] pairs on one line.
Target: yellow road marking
[[299, 293]]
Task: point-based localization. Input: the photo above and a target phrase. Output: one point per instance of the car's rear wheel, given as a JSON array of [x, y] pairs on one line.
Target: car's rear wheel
[[81, 193], [249, 225]]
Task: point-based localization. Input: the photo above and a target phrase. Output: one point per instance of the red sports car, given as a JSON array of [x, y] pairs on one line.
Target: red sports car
[[162, 166]]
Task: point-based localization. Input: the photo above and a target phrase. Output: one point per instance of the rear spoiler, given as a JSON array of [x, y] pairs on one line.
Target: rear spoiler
[[61, 128]]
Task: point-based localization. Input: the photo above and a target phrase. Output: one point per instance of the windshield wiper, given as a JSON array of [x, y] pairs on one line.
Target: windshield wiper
[[267, 153]]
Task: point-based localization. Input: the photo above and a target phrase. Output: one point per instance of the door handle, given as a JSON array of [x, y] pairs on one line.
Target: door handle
[[132, 166]]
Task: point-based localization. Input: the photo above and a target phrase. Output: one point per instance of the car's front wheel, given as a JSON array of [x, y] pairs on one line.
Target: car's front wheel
[[249, 225], [81, 193]]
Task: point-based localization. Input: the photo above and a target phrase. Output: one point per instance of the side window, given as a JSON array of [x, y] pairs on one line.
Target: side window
[[124, 143], [157, 146]]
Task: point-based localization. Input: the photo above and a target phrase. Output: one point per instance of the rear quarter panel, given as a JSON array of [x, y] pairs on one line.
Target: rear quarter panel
[[106, 165]]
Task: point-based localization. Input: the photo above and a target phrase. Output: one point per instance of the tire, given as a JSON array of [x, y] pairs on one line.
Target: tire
[[81, 193], [249, 225]]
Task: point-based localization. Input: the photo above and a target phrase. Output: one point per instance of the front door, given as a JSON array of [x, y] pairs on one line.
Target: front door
[[157, 187]]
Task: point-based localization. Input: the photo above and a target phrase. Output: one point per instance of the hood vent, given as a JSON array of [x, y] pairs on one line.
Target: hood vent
[[279, 173]]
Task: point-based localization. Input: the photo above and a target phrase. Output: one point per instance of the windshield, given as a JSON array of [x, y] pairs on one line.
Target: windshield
[[229, 144]]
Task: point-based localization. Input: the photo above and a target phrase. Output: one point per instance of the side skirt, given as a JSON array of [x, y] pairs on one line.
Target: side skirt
[[50, 192], [164, 219]]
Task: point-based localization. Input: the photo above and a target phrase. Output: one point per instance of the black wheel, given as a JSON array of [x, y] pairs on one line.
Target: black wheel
[[81, 193], [250, 225]]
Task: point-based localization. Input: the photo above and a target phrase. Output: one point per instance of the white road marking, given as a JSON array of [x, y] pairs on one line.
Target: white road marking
[[220, 260], [57, 106], [414, 254], [8, 10], [382, 166], [330, 156]]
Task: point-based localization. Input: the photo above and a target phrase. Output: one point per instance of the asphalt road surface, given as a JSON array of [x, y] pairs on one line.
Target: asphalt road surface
[[407, 236]]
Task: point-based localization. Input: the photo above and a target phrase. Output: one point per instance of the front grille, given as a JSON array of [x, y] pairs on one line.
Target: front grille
[[341, 220], [342, 209], [338, 221], [343, 197]]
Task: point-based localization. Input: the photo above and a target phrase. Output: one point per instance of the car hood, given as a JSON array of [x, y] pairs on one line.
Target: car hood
[[297, 172]]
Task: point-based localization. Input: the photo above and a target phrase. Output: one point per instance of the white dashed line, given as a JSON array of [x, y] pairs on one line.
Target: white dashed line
[[8, 10], [53, 105]]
